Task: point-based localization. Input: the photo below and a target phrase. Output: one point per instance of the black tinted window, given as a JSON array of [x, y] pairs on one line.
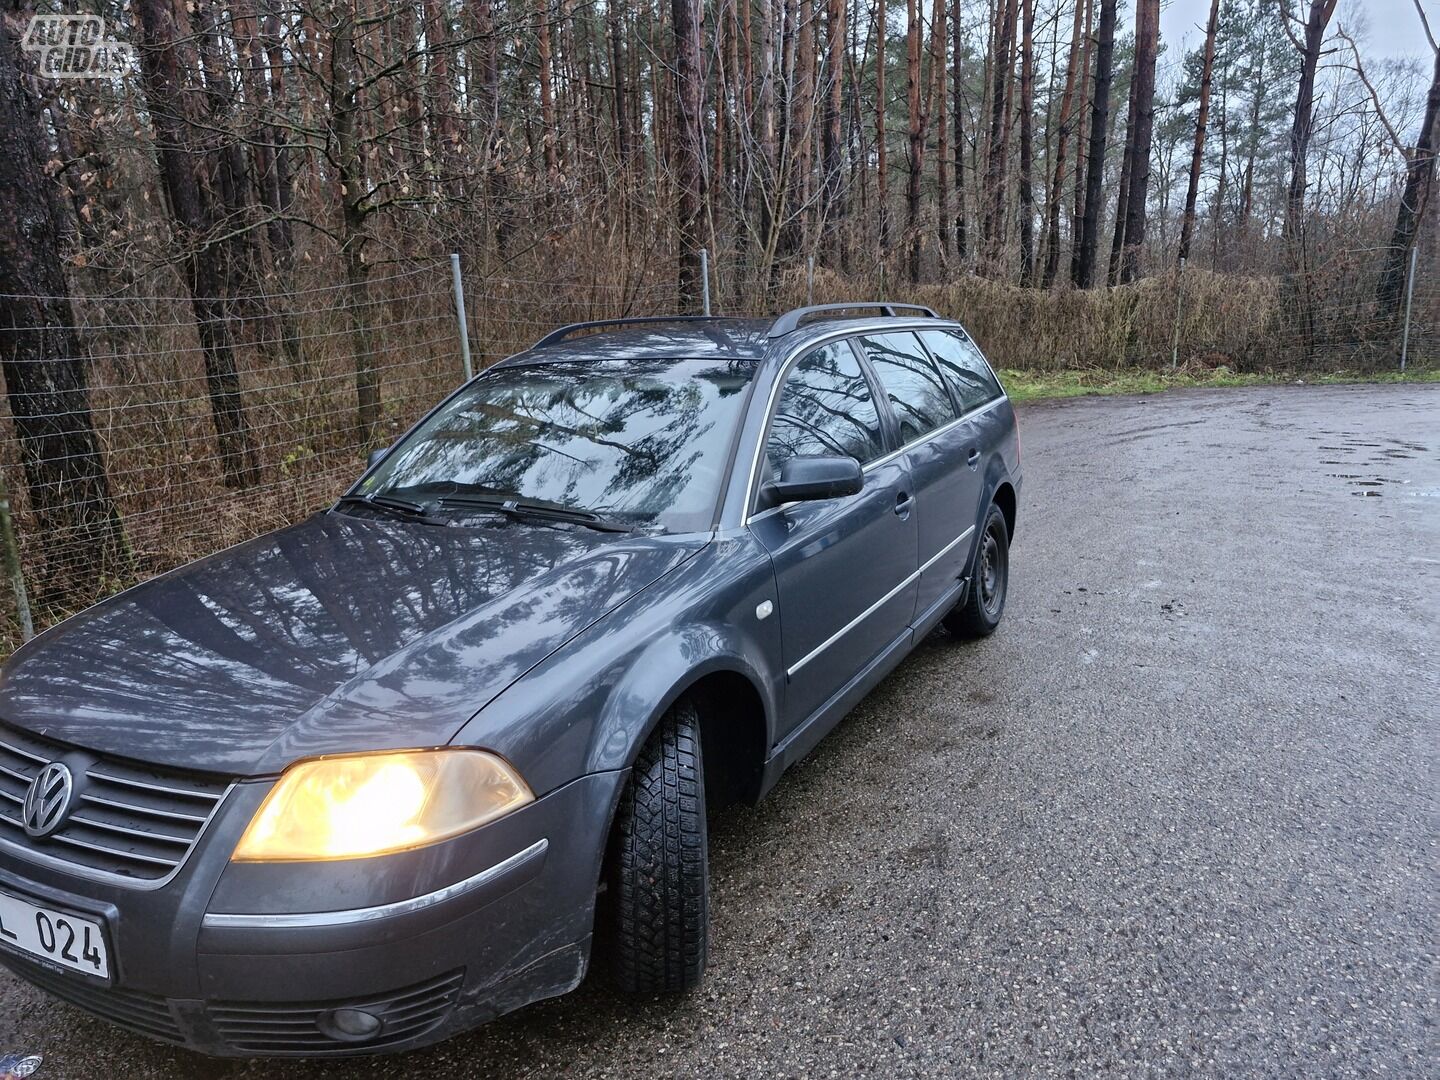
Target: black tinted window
[[916, 391], [825, 409], [970, 377], [641, 440]]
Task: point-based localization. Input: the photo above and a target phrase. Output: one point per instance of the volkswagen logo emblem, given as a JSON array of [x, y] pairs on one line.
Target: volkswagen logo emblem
[[48, 799]]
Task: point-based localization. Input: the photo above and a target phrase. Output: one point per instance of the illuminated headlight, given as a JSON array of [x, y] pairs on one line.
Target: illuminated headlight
[[374, 804]]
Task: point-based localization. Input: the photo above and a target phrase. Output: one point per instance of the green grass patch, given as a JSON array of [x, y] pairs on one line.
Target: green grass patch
[[1042, 385]]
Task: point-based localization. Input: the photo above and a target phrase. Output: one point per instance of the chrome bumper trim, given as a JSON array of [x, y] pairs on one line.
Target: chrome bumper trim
[[351, 916]]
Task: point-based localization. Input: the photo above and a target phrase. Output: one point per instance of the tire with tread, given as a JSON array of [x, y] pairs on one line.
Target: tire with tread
[[656, 914], [984, 603]]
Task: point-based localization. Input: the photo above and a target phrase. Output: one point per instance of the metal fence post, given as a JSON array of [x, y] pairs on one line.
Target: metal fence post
[[1409, 301], [460, 315], [809, 280], [13, 567], [1175, 333], [705, 280]]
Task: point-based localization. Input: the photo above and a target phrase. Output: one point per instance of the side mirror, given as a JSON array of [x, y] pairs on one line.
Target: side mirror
[[373, 458], [808, 478]]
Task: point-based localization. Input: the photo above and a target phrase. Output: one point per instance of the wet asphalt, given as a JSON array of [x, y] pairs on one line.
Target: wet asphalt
[[1178, 816]]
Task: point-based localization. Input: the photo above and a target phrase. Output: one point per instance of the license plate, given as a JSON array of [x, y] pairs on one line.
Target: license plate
[[57, 936]]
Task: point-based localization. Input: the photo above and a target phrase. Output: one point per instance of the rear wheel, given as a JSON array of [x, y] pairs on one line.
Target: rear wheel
[[657, 907], [984, 603]]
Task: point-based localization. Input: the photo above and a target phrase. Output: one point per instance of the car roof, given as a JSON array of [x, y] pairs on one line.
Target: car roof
[[701, 339], [711, 337]]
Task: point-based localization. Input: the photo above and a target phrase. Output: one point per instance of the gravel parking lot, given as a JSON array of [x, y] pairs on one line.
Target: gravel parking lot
[[1177, 816]]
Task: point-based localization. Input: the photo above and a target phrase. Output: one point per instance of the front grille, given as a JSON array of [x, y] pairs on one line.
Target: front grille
[[132, 821], [144, 1013], [276, 1028]]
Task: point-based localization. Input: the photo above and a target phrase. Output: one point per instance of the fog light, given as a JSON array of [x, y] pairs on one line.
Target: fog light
[[349, 1025]]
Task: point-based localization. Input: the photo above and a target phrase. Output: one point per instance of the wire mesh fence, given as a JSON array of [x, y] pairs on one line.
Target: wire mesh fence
[[305, 359]]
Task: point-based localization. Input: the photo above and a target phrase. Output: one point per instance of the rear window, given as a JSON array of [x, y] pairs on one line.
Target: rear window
[[969, 375], [915, 388]]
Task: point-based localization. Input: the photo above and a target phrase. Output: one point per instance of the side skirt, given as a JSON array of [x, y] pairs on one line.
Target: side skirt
[[823, 720]]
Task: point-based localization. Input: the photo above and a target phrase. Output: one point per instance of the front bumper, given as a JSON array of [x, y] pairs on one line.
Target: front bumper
[[251, 959]]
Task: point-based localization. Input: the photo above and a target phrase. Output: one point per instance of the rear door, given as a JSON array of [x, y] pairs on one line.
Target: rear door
[[844, 568], [941, 453]]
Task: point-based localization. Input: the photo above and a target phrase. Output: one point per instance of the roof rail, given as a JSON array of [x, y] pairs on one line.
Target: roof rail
[[791, 319], [574, 328]]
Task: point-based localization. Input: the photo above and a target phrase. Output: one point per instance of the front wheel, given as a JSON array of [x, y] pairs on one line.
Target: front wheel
[[984, 603], [658, 908]]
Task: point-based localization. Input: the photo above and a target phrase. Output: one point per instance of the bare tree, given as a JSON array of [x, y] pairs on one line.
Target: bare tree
[[41, 358], [188, 164], [1301, 129], [1065, 125], [1027, 143], [1414, 199], [1147, 40], [1002, 61], [690, 152], [1202, 120], [1082, 270]]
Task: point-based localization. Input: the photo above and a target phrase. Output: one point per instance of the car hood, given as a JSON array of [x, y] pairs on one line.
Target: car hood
[[336, 635]]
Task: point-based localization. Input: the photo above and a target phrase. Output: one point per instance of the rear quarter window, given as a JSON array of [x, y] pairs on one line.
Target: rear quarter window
[[965, 369], [915, 388]]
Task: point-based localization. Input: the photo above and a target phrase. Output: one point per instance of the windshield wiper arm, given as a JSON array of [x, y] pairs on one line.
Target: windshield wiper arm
[[521, 508], [401, 508]]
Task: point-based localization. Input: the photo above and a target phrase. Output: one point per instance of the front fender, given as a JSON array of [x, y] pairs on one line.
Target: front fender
[[590, 706]]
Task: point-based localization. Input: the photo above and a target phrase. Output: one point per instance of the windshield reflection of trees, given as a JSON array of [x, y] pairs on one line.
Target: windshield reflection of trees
[[638, 438]]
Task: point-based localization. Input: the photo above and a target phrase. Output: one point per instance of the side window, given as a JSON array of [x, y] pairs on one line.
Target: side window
[[824, 409], [916, 390], [970, 377]]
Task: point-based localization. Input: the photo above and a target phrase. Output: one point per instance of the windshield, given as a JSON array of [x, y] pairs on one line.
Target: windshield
[[643, 442]]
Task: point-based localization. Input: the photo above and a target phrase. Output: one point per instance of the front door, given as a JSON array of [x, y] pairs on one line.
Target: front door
[[844, 568]]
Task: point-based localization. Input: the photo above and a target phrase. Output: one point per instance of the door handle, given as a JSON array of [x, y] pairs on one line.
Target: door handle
[[903, 502], [974, 457]]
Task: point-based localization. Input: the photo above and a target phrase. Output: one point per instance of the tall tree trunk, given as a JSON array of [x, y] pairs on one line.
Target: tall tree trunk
[[549, 130], [916, 137], [171, 75], [354, 218], [836, 11], [1419, 184], [1083, 268], [40, 356], [1122, 202], [1297, 303], [957, 112], [882, 208], [942, 132], [689, 150], [1082, 136], [1202, 120], [1147, 41], [1065, 124], [1027, 144], [997, 158], [493, 148], [1316, 23]]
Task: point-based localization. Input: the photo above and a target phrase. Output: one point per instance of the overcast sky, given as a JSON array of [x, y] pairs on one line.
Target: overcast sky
[[1392, 29]]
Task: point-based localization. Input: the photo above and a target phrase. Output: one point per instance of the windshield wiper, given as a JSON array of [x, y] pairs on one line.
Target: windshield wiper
[[401, 508], [521, 509]]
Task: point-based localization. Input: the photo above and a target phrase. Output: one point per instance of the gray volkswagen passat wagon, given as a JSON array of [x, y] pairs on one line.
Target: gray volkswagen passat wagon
[[376, 778]]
